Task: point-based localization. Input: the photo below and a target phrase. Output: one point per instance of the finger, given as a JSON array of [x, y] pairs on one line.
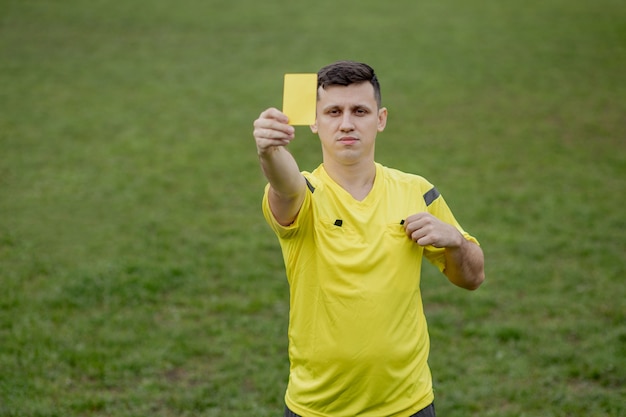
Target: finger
[[269, 133], [423, 237], [272, 124], [426, 241], [418, 216], [422, 232], [414, 218], [418, 234], [413, 225], [270, 143], [274, 113]]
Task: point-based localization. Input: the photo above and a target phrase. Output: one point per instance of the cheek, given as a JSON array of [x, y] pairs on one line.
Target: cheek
[[323, 126]]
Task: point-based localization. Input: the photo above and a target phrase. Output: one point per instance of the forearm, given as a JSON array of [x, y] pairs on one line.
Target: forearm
[[465, 265], [287, 185], [282, 172]]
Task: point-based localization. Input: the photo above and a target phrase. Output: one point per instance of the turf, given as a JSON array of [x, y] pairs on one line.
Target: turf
[[137, 275]]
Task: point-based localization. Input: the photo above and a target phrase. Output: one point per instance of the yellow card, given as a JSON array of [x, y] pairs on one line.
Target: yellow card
[[300, 98]]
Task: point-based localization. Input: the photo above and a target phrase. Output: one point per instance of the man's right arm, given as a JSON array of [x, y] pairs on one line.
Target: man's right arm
[[287, 185]]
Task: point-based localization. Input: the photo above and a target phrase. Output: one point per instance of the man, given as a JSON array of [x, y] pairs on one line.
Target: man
[[353, 234]]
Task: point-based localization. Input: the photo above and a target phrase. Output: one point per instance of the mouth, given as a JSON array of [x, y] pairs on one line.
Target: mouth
[[348, 140]]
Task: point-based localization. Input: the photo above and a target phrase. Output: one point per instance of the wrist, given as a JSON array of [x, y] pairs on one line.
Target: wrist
[[458, 241]]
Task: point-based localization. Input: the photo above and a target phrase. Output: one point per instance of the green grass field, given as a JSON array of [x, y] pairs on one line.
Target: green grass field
[[137, 275]]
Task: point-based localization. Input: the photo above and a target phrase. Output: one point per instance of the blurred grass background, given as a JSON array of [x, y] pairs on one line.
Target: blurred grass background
[[137, 275]]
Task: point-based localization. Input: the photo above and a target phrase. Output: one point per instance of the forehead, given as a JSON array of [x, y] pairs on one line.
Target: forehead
[[349, 95]]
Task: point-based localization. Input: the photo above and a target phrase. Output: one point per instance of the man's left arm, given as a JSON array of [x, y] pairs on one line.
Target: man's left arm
[[465, 264], [464, 260]]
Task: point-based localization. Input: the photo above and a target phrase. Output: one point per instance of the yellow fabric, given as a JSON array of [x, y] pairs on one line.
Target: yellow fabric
[[358, 341]]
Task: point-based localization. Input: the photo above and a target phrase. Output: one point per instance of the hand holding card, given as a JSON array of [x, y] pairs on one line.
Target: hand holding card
[[299, 98]]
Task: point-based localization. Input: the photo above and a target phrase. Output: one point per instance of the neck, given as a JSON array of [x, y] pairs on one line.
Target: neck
[[357, 179]]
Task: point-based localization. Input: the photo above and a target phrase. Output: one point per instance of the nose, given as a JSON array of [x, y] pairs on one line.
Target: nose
[[346, 122]]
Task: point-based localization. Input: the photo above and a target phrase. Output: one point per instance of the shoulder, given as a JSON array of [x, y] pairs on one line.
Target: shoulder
[[400, 182], [395, 176], [316, 179]]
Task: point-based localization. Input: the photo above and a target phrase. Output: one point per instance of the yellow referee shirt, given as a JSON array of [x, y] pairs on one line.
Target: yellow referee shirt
[[358, 341]]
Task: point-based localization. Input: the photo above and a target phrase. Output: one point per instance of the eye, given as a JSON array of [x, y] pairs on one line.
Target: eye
[[360, 111], [334, 112]]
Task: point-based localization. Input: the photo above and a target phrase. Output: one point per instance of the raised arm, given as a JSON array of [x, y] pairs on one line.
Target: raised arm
[[465, 263], [287, 185]]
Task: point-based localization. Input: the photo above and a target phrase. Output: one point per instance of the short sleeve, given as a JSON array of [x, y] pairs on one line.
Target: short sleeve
[[438, 207]]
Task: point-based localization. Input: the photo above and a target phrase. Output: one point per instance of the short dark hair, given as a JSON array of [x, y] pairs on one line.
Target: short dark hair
[[346, 73]]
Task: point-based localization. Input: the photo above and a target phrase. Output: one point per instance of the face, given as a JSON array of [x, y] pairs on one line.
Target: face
[[348, 120]]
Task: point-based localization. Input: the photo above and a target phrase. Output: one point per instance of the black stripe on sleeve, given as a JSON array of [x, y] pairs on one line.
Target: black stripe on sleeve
[[430, 196], [308, 184]]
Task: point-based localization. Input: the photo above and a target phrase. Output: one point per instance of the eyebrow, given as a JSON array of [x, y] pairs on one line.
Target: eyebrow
[[352, 107]]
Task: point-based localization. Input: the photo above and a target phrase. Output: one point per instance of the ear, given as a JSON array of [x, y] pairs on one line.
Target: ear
[[314, 127], [382, 118]]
